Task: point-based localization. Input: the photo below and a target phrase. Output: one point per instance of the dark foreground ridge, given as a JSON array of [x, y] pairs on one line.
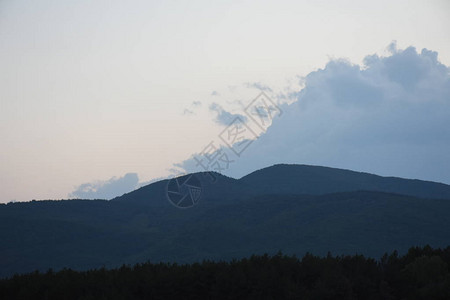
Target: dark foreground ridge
[[423, 273]]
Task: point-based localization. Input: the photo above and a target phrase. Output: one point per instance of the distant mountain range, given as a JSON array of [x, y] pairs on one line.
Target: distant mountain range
[[292, 208]]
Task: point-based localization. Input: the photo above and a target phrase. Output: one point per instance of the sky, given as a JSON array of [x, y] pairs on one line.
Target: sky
[[98, 98]]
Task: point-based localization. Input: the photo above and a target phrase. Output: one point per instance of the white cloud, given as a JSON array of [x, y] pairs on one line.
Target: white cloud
[[106, 189], [390, 116], [259, 86], [224, 117]]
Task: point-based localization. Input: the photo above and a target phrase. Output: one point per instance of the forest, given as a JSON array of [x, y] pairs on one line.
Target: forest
[[421, 273], [292, 208]]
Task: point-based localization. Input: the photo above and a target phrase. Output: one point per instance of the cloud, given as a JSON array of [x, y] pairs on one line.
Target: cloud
[[390, 116], [224, 117], [193, 108], [215, 93], [259, 86], [144, 183], [106, 189]]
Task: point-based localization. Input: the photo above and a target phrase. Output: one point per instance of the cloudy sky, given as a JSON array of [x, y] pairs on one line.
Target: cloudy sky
[[100, 97]]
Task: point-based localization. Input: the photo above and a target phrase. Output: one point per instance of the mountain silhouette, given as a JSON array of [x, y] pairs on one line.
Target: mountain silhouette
[[315, 180], [292, 208], [286, 179]]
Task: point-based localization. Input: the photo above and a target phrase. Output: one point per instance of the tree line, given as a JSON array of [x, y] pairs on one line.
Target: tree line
[[421, 273]]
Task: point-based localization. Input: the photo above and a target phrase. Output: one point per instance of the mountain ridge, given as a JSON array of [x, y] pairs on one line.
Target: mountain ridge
[[300, 180], [261, 213]]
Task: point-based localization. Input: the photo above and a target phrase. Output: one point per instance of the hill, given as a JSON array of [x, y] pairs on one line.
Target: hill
[[277, 208], [316, 180], [286, 179]]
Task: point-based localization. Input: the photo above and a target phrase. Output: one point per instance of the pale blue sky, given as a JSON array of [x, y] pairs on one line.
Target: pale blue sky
[[96, 89]]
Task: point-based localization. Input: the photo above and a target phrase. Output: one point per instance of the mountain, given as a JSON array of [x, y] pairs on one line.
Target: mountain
[[292, 208], [315, 180], [286, 179]]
